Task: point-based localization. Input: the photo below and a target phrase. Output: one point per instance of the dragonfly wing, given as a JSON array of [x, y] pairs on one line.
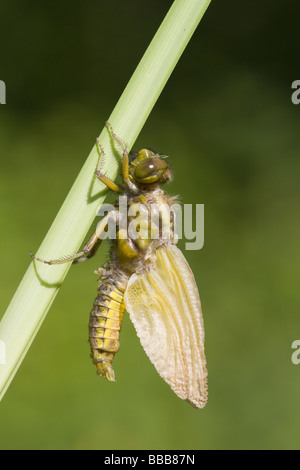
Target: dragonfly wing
[[164, 306]]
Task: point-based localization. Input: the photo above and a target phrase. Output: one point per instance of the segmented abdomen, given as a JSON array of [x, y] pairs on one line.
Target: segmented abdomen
[[106, 320]]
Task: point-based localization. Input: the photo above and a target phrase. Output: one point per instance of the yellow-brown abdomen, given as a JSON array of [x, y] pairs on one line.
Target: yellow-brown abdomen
[[106, 320]]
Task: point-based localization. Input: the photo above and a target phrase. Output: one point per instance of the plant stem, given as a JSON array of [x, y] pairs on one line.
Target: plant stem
[[41, 282]]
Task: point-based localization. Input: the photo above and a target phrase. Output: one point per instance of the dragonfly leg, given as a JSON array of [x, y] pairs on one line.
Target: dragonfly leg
[[89, 250], [125, 160], [103, 178]]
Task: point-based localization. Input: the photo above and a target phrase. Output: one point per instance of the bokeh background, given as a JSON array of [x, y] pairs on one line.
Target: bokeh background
[[227, 121]]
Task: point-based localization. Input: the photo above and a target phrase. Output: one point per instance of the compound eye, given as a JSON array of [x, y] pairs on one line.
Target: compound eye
[[150, 170], [144, 153]]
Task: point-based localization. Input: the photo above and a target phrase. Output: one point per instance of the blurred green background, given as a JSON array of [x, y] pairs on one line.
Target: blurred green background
[[227, 121]]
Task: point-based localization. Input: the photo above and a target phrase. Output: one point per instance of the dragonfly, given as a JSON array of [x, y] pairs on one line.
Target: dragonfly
[[148, 276]]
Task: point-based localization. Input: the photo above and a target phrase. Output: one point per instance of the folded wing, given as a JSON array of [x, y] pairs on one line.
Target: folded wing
[[164, 306]]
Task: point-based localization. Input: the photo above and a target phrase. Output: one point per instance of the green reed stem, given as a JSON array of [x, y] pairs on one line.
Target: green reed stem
[[41, 283]]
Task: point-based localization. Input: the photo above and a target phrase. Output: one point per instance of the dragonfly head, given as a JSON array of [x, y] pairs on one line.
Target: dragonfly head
[[149, 167]]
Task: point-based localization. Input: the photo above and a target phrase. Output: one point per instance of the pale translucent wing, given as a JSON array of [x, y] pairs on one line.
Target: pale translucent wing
[[164, 306]]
